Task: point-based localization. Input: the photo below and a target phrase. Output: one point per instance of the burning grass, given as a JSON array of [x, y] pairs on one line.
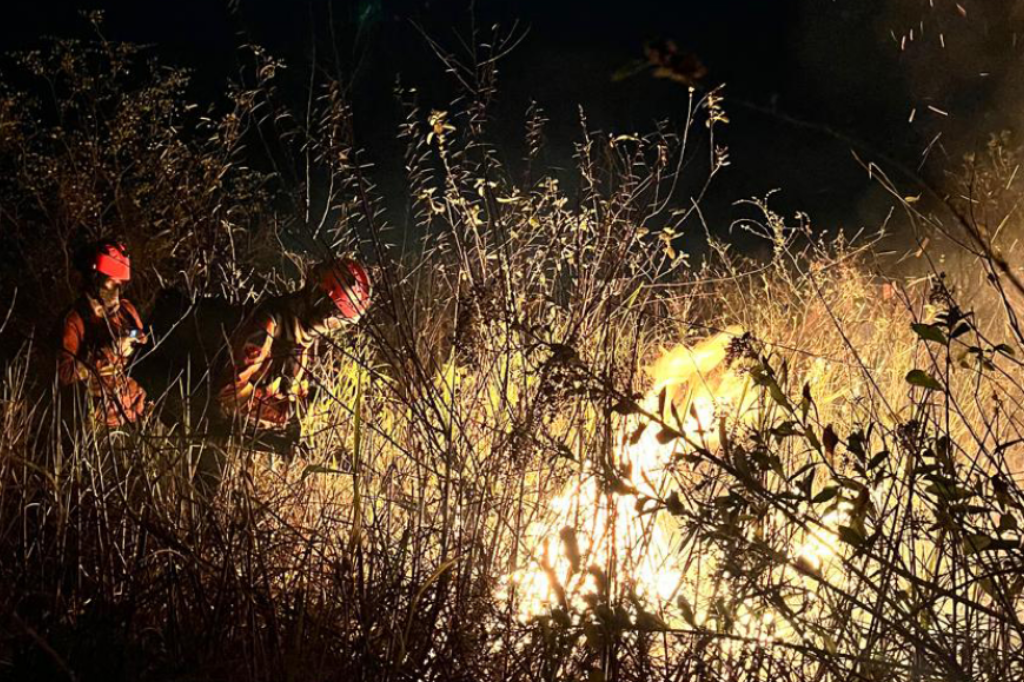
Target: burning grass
[[555, 451]]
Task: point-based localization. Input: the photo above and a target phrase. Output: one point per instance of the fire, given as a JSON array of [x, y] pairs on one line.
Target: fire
[[595, 532], [820, 544]]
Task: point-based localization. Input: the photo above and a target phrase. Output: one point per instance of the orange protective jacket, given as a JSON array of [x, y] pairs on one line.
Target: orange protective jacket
[[90, 353], [269, 360]]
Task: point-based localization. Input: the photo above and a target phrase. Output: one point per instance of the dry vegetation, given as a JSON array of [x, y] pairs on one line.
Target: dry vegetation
[[502, 480]]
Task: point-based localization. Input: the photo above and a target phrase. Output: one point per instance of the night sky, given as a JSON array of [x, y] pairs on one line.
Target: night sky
[[834, 64]]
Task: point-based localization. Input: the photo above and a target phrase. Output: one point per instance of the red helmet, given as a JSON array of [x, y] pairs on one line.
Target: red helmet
[[111, 259], [348, 285]]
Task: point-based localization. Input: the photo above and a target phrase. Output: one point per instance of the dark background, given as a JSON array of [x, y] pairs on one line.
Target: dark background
[[831, 75]]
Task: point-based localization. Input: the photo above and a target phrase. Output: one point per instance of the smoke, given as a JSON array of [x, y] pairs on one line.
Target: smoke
[[933, 89], [962, 63]]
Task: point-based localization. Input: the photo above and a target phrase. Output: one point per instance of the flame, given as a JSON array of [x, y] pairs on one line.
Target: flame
[[821, 544], [594, 532]]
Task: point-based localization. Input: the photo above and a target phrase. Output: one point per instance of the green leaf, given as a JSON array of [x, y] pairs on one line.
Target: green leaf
[[667, 435], [739, 460], [929, 332], [976, 543], [850, 536], [806, 484], [638, 433], [825, 494], [778, 396], [812, 439], [979, 543], [320, 469], [857, 444], [674, 505], [650, 622], [916, 377], [960, 330], [687, 610], [830, 439], [785, 429], [877, 459], [947, 489]]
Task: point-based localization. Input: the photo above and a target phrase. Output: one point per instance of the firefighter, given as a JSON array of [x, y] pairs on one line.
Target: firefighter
[[259, 391], [99, 334]]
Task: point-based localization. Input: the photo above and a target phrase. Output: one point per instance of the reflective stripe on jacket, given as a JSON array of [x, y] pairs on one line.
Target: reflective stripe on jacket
[[269, 357]]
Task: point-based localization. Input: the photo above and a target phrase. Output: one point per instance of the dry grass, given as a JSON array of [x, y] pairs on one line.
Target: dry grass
[[509, 356]]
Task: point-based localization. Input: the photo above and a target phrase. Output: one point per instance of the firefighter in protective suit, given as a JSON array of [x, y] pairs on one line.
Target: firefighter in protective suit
[[266, 378], [99, 334]]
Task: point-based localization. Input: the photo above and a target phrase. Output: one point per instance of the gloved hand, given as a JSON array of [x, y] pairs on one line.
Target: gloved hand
[[126, 344]]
